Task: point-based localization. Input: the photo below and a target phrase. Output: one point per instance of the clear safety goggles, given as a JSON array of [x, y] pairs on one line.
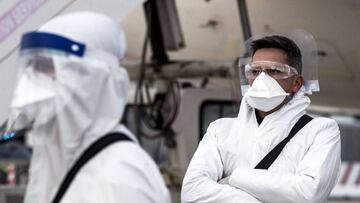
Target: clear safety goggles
[[274, 69]]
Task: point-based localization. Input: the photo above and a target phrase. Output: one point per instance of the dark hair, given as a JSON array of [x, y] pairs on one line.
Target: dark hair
[[283, 43]]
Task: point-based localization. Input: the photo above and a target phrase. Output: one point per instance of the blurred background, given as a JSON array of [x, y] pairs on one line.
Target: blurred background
[[181, 57]]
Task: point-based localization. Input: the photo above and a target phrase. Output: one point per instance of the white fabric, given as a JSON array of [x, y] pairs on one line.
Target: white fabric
[[305, 171], [90, 97], [265, 93]]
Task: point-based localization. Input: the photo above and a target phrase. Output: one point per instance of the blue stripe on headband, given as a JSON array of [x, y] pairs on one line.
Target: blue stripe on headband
[[46, 40]]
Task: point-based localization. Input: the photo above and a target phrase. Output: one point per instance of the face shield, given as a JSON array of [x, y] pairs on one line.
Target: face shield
[[250, 70], [33, 98]]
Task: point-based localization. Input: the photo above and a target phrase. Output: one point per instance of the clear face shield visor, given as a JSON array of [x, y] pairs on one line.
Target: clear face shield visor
[[36, 80], [249, 70]]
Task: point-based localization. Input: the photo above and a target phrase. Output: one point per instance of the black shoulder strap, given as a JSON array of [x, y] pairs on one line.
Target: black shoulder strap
[[266, 162], [89, 153]]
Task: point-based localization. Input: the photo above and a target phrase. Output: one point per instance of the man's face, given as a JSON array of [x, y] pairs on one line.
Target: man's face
[[291, 84]]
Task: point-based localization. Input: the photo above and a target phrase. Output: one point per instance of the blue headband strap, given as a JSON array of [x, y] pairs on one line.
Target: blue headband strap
[[46, 40]]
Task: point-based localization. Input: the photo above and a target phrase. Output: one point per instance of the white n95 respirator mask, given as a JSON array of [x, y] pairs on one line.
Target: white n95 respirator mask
[[33, 101], [265, 93]]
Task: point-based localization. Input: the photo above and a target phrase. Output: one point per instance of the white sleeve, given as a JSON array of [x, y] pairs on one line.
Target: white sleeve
[[313, 181], [205, 170]]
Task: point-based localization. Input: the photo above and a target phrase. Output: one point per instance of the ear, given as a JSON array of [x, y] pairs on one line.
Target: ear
[[297, 83]]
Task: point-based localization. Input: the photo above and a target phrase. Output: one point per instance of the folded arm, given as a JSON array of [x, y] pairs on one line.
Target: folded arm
[[205, 170], [314, 179]]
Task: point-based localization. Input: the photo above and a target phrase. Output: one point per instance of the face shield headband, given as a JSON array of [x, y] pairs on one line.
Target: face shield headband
[[43, 40]]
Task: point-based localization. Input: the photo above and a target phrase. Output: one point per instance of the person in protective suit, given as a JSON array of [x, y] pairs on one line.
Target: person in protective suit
[[231, 163], [71, 93]]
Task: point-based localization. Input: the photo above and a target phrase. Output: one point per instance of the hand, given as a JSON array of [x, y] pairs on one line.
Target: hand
[[224, 181]]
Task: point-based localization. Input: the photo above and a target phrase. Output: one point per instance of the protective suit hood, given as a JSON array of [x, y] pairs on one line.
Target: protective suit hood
[[90, 94], [91, 91]]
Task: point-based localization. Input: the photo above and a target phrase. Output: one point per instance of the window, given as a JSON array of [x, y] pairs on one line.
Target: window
[[211, 110], [155, 147]]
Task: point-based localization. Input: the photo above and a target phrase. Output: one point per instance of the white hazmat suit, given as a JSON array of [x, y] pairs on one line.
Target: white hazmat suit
[[305, 171], [88, 100]]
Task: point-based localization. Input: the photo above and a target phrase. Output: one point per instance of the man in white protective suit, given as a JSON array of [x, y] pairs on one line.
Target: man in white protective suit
[[232, 162], [71, 93]]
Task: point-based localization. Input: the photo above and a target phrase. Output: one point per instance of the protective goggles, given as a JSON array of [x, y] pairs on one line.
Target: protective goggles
[[274, 69]]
